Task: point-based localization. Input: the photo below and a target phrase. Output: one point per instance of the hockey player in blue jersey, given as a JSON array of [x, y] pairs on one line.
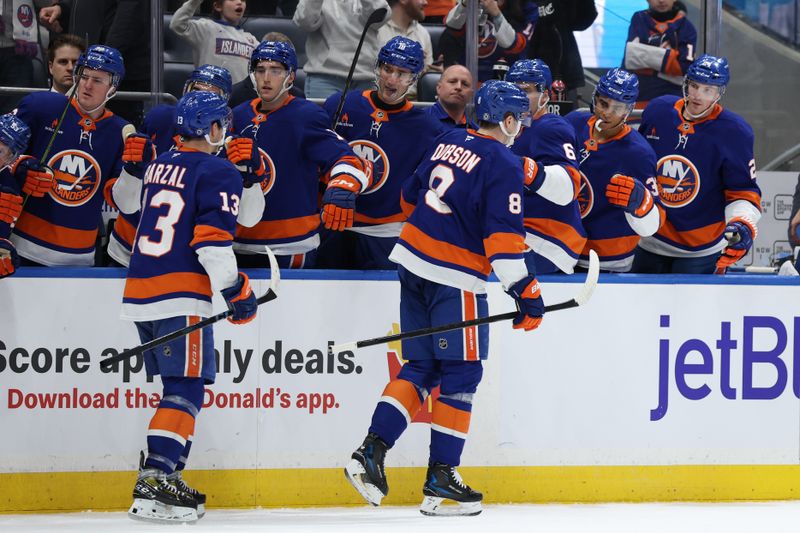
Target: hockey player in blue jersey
[[706, 176], [619, 196], [552, 217], [465, 220], [290, 138], [385, 129], [58, 226], [182, 254], [14, 137]]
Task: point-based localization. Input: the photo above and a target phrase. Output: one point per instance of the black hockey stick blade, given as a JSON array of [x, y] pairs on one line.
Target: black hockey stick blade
[[375, 17], [268, 296], [580, 299]]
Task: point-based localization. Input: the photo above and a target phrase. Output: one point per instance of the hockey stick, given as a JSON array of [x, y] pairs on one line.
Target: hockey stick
[[732, 238], [580, 299], [271, 294], [375, 17]]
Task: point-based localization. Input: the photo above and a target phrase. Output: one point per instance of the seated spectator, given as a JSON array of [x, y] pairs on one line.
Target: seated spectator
[[62, 54], [16, 54], [220, 41], [554, 43], [453, 91], [504, 28], [405, 21], [244, 90], [334, 30], [660, 47]]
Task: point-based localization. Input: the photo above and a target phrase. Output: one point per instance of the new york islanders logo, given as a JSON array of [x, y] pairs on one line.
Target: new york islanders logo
[[394, 356], [585, 196], [270, 175], [77, 177], [25, 15], [487, 42], [369, 151], [678, 181]]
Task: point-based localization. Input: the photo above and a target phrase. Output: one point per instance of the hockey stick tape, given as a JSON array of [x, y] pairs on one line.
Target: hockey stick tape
[[127, 131]]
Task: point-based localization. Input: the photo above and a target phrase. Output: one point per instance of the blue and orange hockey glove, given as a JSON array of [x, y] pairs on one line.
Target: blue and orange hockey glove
[[9, 260], [740, 233], [139, 150], [243, 152], [10, 205], [528, 295], [339, 202], [36, 179], [241, 300], [630, 194], [533, 173]]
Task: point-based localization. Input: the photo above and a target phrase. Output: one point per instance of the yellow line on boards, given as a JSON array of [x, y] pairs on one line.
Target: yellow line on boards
[[321, 487]]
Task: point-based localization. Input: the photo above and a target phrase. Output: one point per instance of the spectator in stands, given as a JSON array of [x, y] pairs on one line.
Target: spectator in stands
[[334, 28], [405, 21], [18, 47], [220, 41], [554, 43], [62, 54], [437, 10], [661, 45], [504, 27], [244, 90], [89, 19], [454, 90]]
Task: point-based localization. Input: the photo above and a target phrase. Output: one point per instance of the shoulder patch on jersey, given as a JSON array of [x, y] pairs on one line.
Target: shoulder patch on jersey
[[678, 180]]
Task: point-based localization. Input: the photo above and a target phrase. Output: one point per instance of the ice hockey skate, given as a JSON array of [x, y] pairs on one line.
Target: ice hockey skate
[[365, 470], [157, 499], [200, 499], [442, 485]]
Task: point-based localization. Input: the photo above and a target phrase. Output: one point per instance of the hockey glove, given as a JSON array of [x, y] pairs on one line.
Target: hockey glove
[[740, 234], [241, 300], [9, 260], [139, 150], [339, 202], [36, 178], [533, 173], [528, 296], [243, 152], [630, 194], [10, 205]]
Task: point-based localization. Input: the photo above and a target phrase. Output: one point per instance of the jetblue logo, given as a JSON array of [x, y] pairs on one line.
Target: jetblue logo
[[699, 369]]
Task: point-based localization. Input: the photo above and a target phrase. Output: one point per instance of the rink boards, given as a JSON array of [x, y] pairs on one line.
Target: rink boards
[[659, 389]]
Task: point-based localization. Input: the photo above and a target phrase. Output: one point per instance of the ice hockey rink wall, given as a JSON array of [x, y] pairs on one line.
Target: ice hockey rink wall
[[661, 388]]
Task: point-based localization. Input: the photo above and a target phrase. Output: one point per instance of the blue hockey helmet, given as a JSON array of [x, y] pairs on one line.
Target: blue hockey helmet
[[534, 71], [404, 53], [15, 134], [709, 70], [497, 98], [219, 77], [279, 51], [620, 85], [198, 110], [105, 58]]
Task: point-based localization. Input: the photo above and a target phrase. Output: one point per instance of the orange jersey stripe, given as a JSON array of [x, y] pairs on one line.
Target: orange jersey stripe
[[561, 231], [174, 421], [280, 229], [166, 284], [58, 235], [751, 196], [449, 417], [693, 238], [405, 393], [125, 231], [612, 247], [444, 251], [470, 333], [407, 207], [673, 68], [107, 193], [206, 233], [575, 176], [504, 243], [519, 44]]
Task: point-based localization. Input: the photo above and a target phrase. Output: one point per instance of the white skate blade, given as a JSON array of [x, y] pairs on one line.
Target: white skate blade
[[356, 476], [434, 506], [153, 511]]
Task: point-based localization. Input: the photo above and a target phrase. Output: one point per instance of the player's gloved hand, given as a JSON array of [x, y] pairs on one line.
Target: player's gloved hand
[[9, 260], [139, 150], [740, 234], [339, 202], [241, 300], [243, 152], [533, 173], [36, 179], [528, 295], [10, 205], [630, 194]]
